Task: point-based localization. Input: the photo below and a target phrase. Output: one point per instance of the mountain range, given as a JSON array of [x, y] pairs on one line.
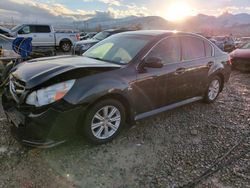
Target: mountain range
[[237, 24]]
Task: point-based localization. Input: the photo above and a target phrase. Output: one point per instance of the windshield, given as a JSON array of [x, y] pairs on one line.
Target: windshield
[[16, 28], [101, 35], [118, 49]]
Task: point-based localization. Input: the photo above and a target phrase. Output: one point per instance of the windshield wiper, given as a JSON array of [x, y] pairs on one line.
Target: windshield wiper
[[105, 60]]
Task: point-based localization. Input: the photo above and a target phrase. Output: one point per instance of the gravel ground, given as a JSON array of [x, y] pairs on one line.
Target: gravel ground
[[168, 150]]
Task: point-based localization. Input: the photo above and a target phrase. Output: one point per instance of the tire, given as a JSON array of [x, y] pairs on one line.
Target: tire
[[65, 46], [213, 89], [96, 128]]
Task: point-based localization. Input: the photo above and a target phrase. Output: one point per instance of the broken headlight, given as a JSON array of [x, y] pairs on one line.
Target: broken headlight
[[49, 94]]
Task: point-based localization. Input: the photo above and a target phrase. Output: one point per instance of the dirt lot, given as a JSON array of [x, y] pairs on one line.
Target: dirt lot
[[169, 150]]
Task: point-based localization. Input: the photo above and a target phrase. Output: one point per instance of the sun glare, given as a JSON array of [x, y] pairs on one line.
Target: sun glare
[[178, 11]]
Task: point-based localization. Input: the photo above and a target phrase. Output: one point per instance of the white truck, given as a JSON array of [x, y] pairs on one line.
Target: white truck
[[44, 36]]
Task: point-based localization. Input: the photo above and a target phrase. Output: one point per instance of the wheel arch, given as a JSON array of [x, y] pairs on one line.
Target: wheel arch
[[122, 99], [221, 76], [65, 40]]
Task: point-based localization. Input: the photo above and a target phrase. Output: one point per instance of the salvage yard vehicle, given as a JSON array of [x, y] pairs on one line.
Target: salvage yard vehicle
[[88, 36], [45, 36], [82, 46], [4, 31], [241, 57], [225, 43], [122, 79]]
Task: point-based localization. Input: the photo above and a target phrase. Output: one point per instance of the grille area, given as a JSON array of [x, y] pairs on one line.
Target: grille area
[[17, 87]]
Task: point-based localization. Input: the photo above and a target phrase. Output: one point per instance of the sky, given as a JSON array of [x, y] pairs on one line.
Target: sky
[[75, 10]]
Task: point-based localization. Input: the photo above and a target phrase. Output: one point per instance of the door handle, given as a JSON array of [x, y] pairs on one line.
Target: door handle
[[210, 64], [180, 71]]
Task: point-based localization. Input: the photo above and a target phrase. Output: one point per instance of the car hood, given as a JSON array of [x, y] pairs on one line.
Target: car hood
[[240, 53], [38, 71], [88, 41]]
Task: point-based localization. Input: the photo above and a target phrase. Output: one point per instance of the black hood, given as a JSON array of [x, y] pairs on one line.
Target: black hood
[[88, 41], [40, 70]]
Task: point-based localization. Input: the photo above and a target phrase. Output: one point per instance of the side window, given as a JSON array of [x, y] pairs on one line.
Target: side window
[[24, 30], [42, 29], [192, 48], [168, 50], [208, 49]]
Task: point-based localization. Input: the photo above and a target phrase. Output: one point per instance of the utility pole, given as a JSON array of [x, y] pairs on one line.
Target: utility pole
[[12, 21]]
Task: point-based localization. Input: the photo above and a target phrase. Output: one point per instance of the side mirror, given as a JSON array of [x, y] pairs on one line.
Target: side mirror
[[153, 62]]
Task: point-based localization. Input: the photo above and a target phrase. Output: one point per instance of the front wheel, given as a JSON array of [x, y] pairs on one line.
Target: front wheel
[[213, 90], [104, 121]]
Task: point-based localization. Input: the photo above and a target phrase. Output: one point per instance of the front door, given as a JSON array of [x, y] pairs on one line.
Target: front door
[[161, 86], [43, 36]]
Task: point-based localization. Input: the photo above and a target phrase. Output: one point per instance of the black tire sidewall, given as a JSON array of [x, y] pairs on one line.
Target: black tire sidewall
[[206, 98], [87, 132], [61, 46]]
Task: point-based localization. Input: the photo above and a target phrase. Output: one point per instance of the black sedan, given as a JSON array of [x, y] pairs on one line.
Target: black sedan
[[82, 46], [127, 77]]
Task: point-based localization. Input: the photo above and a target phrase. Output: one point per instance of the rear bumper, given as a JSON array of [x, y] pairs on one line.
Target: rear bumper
[[45, 129]]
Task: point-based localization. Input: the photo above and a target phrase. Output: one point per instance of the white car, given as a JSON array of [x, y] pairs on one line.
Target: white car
[[44, 36]]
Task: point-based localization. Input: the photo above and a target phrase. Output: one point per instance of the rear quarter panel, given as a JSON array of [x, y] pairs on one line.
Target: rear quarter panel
[[222, 66], [61, 36]]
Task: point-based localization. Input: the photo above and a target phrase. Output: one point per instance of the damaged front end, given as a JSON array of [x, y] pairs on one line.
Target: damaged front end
[[34, 125], [36, 107]]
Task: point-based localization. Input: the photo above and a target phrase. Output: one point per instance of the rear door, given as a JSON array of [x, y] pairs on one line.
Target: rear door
[[43, 36], [197, 59]]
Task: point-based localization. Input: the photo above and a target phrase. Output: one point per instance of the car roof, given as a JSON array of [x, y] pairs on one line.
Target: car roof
[[117, 30], [156, 33]]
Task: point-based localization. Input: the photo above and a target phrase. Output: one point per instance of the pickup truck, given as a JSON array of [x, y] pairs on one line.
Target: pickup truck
[[44, 36]]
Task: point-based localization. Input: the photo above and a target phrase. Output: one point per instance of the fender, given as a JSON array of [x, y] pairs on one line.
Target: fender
[[89, 89], [92, 91]]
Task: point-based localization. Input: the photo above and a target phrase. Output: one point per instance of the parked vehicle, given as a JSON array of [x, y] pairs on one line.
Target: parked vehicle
[[82, 46], [4, 31], [241, 57], [225, 43], [88, 36], [124, 78], [45, 36]]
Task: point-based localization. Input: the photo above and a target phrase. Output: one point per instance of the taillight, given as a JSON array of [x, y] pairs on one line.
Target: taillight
[[78, 36]]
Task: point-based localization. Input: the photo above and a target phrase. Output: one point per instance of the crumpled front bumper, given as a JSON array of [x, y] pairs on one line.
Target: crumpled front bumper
[[47, 128]]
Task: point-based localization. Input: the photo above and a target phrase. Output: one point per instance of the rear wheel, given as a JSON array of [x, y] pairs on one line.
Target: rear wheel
[[213, 90], [104, 121], [65, 46]]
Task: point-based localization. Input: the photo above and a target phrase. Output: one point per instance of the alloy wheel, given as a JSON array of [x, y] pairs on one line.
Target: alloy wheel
[[106, 122], [214, 89]]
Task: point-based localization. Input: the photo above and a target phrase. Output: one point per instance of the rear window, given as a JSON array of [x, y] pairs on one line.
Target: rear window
[[42, 29], [192, 48], [208, 49]]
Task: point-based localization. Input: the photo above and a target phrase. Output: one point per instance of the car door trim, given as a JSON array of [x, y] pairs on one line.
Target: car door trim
[[168, 107]]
